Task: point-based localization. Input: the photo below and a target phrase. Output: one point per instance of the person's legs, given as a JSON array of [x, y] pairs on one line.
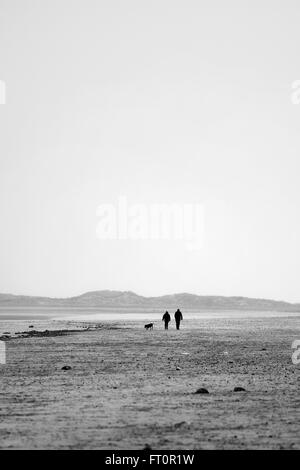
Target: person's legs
[[166, 325], [177, 324]]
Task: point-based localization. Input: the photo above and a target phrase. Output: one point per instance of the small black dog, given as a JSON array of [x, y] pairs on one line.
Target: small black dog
[[149, 326]]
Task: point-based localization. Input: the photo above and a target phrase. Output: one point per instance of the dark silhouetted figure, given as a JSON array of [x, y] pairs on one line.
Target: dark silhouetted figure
[[178, 317], [166, 318]]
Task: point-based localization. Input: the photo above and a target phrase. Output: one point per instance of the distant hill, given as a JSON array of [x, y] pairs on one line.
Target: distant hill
[[127, 299]]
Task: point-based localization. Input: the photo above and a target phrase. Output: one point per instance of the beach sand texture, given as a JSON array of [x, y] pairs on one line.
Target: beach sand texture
[[128, 387]]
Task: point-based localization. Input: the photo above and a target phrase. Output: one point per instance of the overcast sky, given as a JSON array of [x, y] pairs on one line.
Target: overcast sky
[[160, 101]]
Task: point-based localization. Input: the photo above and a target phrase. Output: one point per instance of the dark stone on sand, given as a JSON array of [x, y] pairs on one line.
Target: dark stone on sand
[[239, 389], [201, 390], [147, 447], [66, 368], [31, 326], [178, 425]]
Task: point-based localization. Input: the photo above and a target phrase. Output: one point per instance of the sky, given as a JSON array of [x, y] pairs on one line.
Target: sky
[[160, 102]]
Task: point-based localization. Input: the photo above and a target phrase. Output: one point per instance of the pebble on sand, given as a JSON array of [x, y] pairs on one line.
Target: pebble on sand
[[66, 368], [201, 390], [239, 389], [147, 447]]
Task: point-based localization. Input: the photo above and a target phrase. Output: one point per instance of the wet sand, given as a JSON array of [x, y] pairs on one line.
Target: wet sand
[[128, 387]]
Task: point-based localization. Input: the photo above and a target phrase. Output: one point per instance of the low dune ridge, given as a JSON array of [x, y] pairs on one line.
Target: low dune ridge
[[128, 299]]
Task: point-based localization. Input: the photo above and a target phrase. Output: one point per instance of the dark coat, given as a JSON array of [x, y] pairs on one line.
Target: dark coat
[[178, 315], [166, 317]]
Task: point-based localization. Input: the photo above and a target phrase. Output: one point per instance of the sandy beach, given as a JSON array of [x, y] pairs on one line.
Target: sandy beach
[[128, 388]]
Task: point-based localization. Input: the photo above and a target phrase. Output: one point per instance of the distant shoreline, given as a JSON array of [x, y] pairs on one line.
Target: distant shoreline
[[93, 314]]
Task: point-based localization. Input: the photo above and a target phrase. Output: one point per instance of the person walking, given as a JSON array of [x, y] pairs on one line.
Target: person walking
[[166, 318], [178, 317]]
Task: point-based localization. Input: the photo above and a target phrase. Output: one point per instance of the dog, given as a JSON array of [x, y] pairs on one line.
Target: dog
[[149, 326]]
